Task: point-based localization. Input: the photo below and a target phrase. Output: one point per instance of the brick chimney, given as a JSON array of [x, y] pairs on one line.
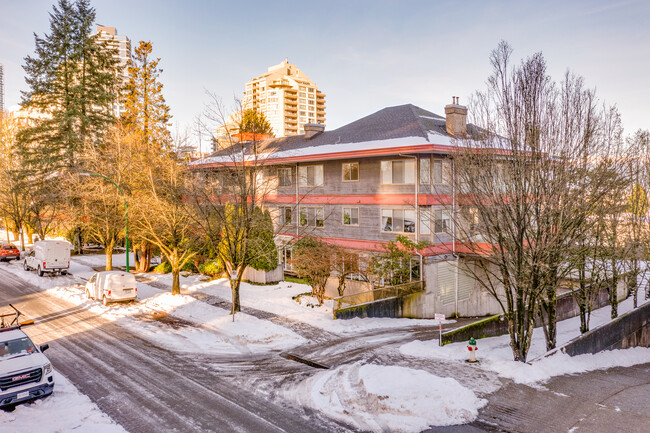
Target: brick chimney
[[312, 130], [456, 115]]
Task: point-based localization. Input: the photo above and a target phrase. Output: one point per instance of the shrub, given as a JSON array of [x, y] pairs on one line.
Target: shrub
[[163, 268], [211, 269]]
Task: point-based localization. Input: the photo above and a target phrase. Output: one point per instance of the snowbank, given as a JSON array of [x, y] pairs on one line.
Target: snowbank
[[65, 410], [379, 398], [495, 353]]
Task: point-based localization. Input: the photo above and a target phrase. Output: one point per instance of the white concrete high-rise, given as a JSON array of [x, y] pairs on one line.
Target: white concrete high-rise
[[287, 97], [123, 46], [2, 89]]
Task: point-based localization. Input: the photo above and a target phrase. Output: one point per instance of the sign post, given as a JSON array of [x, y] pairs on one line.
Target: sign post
[[439, 318]]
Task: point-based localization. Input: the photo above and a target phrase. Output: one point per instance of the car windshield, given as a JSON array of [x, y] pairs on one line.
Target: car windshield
[[8, 247], [19, 346]]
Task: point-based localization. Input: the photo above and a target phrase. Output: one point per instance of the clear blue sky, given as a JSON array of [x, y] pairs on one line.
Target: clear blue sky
[[364, 55]]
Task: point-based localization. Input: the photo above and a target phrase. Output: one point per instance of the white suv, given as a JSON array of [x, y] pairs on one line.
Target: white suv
[[25, 373]]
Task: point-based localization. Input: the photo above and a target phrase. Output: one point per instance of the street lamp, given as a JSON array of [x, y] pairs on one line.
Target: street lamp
[[126, 212]]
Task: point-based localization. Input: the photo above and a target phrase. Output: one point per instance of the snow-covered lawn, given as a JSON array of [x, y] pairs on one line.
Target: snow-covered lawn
[[64, 411], [495, 353]]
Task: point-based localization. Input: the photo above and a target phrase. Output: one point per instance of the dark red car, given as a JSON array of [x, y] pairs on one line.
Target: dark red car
[[8, 252]]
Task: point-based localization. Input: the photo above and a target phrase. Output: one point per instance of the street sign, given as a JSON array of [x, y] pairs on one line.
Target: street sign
[[439, 318]]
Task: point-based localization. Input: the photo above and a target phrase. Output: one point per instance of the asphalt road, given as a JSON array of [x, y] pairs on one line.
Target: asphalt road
[[149, 389]]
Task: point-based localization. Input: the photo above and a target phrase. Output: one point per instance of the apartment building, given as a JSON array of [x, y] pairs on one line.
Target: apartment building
[[123, 46], [287, 97], [361, 185], [2, 89]]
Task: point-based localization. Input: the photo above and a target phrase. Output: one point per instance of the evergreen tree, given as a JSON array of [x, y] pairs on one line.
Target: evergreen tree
[[255, 122], [262, 250], [72, 80], [146, 109]]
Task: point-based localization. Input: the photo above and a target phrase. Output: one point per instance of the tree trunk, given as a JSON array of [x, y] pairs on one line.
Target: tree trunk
[[109, 255], [613, 292], [234, 288], [176, 284]]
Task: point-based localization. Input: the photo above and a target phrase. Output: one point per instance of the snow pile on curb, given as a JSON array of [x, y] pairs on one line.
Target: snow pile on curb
[[65, 410], [495, 353], [379, 398]]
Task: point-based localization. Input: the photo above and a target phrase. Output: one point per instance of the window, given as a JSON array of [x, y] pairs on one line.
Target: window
[[302, 94], [350, 171], [398, 172], [425, 171], [284, 176], [441, 171], [311, 102], [311, 175], [310, 89], [425, 220], [442, 221], [350, 216], [285, 215], [398, 220], [312, 217]]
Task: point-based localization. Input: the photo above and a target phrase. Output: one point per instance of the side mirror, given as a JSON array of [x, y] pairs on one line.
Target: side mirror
[[44, 347]]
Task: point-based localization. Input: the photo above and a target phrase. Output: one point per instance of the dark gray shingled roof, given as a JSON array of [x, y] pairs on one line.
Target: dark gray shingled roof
[[388, 123]]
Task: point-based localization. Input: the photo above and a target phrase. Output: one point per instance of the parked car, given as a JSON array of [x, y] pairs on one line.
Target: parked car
[[25, 372], [8, 252], [112, 286], [49, 256]]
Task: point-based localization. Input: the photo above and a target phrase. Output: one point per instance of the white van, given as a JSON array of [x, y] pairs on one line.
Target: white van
[[49, 256], [112, 286]]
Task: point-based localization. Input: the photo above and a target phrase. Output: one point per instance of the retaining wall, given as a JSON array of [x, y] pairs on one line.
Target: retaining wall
[[389, 307], [629, 330], [567, 307]]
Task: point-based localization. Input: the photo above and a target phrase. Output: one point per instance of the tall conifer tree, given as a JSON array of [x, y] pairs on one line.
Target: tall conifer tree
[[72, 79], [146, 108]]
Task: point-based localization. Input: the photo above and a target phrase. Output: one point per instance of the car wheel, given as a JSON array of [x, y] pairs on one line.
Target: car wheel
[[40, 271], [104, 300], [25, 265], [64, 272]]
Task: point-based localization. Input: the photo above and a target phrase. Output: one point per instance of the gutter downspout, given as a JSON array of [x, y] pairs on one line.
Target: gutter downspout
[[453, 240]]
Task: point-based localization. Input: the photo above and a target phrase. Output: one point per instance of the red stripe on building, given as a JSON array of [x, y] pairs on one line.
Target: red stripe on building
[[363, 199]]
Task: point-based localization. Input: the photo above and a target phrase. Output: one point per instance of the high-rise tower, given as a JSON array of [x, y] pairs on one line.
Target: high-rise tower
[[123, 46], [287, 97], [2, 89]]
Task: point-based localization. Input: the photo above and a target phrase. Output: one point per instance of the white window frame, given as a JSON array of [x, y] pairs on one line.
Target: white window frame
[[351, 164], [445, 216], [443, 172], [393, 212], [317, 210], [280, 177], [343, 216], [283, 219], [425, 171], [303, 176], [384, 171]]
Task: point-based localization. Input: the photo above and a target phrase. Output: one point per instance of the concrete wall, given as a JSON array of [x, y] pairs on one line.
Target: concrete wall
[[390, 307], [352, 287], [629, 330]]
